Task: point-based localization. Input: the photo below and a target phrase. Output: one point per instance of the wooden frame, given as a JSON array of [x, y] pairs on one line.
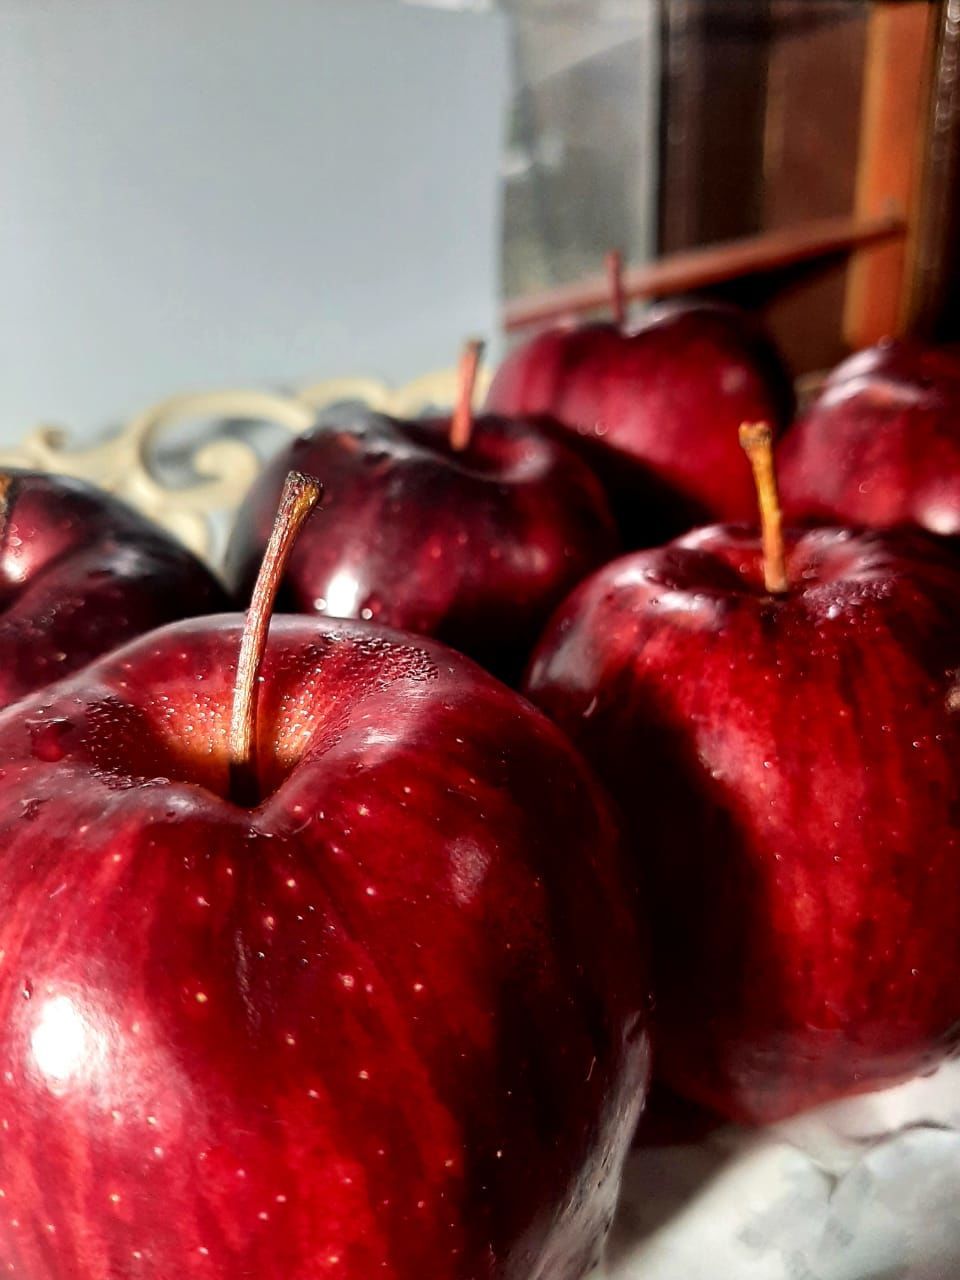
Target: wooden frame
[[880, 235], [894, 119]]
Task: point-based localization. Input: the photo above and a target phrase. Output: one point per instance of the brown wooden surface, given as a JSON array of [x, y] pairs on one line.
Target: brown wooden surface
[[934, 307], [761, 111], [715, 58], [698, 269], [811, 143], [893, 124]]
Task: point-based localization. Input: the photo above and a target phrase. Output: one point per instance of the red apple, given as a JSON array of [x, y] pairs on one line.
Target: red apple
[[387, 1018], [475, 545], [655, 409], [80, 573], [880, 446], [786, 755]]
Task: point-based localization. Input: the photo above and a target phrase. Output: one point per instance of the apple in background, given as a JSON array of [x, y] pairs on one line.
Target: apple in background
[[880, 446], [472, 532], [352, 1000], [80, 573], [655, 409], [781, 735]]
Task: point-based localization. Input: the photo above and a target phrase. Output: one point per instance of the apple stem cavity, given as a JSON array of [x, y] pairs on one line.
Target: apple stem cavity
[[756, 439], [613, 261], [461, 424], [299, 497]]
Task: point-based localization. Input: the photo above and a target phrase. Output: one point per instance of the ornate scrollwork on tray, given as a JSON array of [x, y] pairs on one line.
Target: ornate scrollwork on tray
[[224, 467], [432, 391]]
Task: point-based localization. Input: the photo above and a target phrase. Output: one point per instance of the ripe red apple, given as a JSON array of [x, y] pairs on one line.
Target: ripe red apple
[[474, 540], [783, 743], [655, 409], [80, 573], [385, 1018], [880, 446]]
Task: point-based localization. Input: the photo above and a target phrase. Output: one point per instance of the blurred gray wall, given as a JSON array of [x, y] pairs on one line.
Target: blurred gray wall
[[205, 192]]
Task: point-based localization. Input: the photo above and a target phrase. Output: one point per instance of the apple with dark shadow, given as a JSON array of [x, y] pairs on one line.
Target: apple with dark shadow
[[80, 573], [654, 409], [880, 446], [302, 974], [472, 532], [778, 719]]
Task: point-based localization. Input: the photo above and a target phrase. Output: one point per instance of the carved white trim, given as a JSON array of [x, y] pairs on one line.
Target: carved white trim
[[436, 390], [226, 468]]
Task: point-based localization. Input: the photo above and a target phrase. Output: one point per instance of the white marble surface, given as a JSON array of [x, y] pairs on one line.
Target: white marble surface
[[863, 1190]]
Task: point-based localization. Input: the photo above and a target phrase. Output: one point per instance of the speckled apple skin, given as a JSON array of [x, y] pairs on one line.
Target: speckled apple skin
[[880, 446], [790, 771], [391, 1022], [80, 573], [655, 410], [476, 548]]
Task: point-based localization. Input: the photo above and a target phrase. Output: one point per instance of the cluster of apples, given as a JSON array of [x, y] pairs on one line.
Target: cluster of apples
[[325, 953]]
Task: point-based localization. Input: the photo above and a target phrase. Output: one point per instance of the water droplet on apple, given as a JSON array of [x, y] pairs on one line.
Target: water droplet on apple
[[30, 808], [47, 738]]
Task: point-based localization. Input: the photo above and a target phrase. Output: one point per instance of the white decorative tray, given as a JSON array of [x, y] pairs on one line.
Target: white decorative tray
[[216, 470], [866, 1189]]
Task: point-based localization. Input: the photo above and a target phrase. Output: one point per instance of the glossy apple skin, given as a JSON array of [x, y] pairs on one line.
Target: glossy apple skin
[[475, 548], [391, 1022], [655, 409], [880, 446], [80, 573], [790, 770]]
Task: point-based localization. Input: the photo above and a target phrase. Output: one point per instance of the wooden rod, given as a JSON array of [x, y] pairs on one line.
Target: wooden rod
[[694, 269]]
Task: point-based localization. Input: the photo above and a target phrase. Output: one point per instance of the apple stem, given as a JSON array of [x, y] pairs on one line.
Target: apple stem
[[618, 303], [6, 494], [461, 424], [756, 439], [300, 495]]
